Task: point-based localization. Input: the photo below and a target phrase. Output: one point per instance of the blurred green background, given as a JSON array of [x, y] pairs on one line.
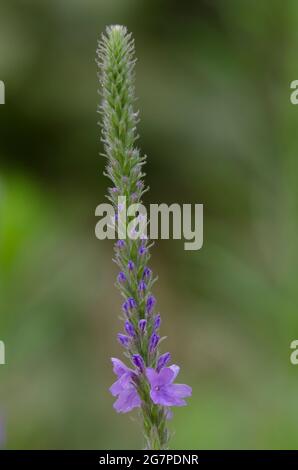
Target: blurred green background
[[213, 81]]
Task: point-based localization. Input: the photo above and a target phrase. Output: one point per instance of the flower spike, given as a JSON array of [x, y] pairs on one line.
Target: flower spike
[[149, 384]]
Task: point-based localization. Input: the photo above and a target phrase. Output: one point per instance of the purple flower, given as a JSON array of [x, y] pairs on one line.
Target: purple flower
[[163, 360], [129, 328], [130, 265], [147, 272], [142, 286], [121, 277], [124, 388], [140, 184], [151, 301], [114, 190], [142, 325], [134, 197], [123, 340], [163, 391], [138, 361], [157, 322], [120, 243], [153, 342]]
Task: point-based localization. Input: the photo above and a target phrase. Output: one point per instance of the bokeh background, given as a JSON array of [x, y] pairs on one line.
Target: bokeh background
[[213, 81]]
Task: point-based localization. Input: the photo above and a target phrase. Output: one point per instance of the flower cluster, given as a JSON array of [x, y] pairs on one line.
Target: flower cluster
[[148, 383], [162, 389]]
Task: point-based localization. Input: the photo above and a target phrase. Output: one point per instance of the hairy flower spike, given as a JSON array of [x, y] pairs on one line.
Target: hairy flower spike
[[149, 386]]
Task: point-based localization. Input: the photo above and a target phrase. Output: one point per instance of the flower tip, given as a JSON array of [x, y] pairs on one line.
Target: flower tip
[[117, 27]]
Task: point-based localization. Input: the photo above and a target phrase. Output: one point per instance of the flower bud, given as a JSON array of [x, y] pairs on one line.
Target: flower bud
[[142, 286], [163, 361], [123, 340], [153, 342], [120, 243], [131, 302], [157, 322], [128, 305], [121, 277], [142, 250], [138, 361], [142, 325], [129, 328], [130, 265], [147, 273], [151, 301]]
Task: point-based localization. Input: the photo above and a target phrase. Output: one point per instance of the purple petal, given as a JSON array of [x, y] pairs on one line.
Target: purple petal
[[164, 397], [165, 377], [180, 390], [152, 376], [122, 383], [127, 400], [125, 379], [176, 370], [116, 388], [119, 368]]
